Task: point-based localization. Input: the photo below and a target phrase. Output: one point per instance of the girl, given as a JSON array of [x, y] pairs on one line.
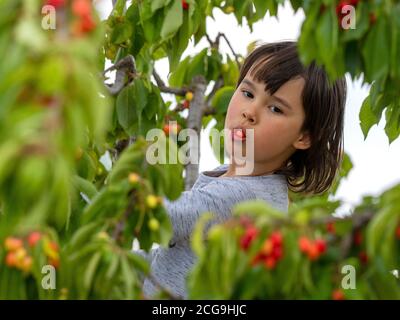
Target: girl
[[295, 116]]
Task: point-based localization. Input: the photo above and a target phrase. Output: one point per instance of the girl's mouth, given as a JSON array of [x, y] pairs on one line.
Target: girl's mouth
[[238, 134]]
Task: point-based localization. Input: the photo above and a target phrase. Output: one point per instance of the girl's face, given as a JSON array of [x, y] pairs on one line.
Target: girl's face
[[276, 120]]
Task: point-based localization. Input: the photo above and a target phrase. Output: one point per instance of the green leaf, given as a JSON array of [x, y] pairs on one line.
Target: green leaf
[[84, 186], [222, 98], [157, 4], [52, 75], [91, 270], [82, 235], [144, 9], [125, 104], [327, 39], [197, 240], [376, 51], [392, 128], [241, 7], [230, 72], [177, 77], [395, 43], [367, 117], [307, 41], [353, 59], [152, 27], [128, 276], [130, 160], [152, 105], [262, 7], [140, 95], [214, 65], [198, 65], [113, 267], [173, 19], [176, 45], [139, 262], [121, 33]]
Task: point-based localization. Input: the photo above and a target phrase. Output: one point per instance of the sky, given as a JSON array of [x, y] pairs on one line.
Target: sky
[[375, 162]]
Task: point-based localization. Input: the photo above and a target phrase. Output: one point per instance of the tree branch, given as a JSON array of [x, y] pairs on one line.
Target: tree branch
[[208, 110], [194, 122], [217, 85], [161, 85], [125, 68], [213, 44], [230, 46]]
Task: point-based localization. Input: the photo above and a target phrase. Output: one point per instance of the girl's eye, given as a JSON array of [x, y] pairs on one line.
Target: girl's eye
[[277, 110], [244, 92]]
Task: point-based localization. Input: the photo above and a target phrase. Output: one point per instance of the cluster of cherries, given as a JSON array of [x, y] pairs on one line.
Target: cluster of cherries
[[82, 10], [271, 251], [17, 251]]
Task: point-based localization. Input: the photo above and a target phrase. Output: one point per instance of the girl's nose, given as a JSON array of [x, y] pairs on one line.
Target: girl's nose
[[249, 116]]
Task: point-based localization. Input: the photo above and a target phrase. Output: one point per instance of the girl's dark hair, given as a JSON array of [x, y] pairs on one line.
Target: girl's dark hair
[[312, 170]]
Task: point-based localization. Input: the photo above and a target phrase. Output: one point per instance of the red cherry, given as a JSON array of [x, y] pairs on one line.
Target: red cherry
[[185, 5], [340, 6], [13, 243], [257, 259], [338, 294], [87, 23], [81, 8], [49, 101], [304, 244], [363, 257], [358, 238], [330, 227], [276, 238], [33, 238], [11, 259], [246, 240], [372, 18], [398, 232], [54, 246], [171, 129], [166, 129], [277, 253], [313, 252], [55, 3], [267, 247], [55, 263], [270, 263], [186, 104], [321, 245]]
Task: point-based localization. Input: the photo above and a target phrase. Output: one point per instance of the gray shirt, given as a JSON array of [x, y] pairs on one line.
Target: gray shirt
[[170, 266]]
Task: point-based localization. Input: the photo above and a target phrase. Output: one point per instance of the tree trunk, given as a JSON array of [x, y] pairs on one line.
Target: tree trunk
[[198, 86]]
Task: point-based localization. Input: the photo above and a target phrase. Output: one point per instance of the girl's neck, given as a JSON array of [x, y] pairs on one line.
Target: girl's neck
[[234, 171]]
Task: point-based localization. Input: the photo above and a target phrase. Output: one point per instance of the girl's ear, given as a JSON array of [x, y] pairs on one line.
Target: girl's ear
[[303, 142]]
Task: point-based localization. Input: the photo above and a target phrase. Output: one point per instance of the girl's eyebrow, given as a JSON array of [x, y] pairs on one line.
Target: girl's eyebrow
[[282, 101], [249, 83]]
